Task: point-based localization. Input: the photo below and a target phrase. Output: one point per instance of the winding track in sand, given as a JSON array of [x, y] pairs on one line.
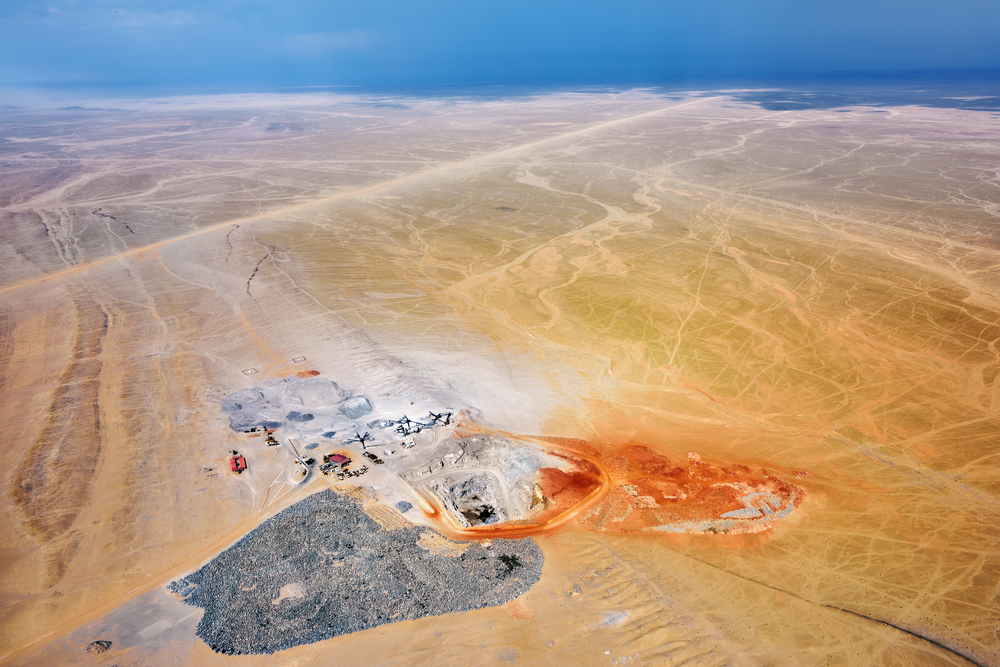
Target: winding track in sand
[[434, 171]]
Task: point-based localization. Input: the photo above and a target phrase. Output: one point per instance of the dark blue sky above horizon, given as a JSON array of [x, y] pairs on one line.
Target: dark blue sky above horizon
[[270, 44]]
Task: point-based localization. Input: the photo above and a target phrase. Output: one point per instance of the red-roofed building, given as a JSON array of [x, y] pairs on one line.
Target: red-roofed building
[[238, 464]]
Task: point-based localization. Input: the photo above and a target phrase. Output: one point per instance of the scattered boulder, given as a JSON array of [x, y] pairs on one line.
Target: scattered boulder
[[99, 646]]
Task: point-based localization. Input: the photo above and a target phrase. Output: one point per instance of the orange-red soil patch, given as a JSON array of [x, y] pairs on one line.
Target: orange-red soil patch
[[307, 374], [649, 491], [576, 445], [564, 489], [518, 608]]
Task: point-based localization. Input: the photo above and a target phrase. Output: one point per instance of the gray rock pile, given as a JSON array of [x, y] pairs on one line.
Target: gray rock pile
[[324, 568], [99, 646], [313, 404], [355, 408]]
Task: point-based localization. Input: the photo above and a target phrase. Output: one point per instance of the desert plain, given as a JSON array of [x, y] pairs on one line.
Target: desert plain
[[656, 291]]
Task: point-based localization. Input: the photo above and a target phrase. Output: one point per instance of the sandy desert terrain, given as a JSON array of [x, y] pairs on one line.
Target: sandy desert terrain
[[681, 291]]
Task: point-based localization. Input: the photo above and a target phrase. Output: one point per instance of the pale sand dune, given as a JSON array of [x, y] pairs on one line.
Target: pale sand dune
[[801, 292]]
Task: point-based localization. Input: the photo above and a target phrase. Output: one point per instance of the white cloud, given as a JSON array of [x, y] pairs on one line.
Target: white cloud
[[126, 18], [318, 44], [86, 17]]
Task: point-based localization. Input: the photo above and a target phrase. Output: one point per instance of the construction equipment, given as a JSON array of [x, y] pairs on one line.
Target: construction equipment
[[443, 418], [407, 426]]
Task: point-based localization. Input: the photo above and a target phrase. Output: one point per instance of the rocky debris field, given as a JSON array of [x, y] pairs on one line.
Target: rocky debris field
[[99, 646], [312, 406], [475, 499], [490, 480], [323, 568]]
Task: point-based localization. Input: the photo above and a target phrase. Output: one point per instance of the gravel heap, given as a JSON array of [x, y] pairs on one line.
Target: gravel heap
[[323, 568], [100, 646], [309, 405]]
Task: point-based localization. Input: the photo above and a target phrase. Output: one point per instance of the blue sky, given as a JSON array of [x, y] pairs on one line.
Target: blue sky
[[268, 44]]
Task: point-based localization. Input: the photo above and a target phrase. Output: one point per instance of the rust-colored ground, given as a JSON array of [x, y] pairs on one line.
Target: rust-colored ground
[[650, 491], [564, 490]]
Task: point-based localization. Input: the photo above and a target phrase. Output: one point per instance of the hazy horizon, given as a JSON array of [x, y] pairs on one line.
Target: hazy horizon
[[202, 46], [977, 90]]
